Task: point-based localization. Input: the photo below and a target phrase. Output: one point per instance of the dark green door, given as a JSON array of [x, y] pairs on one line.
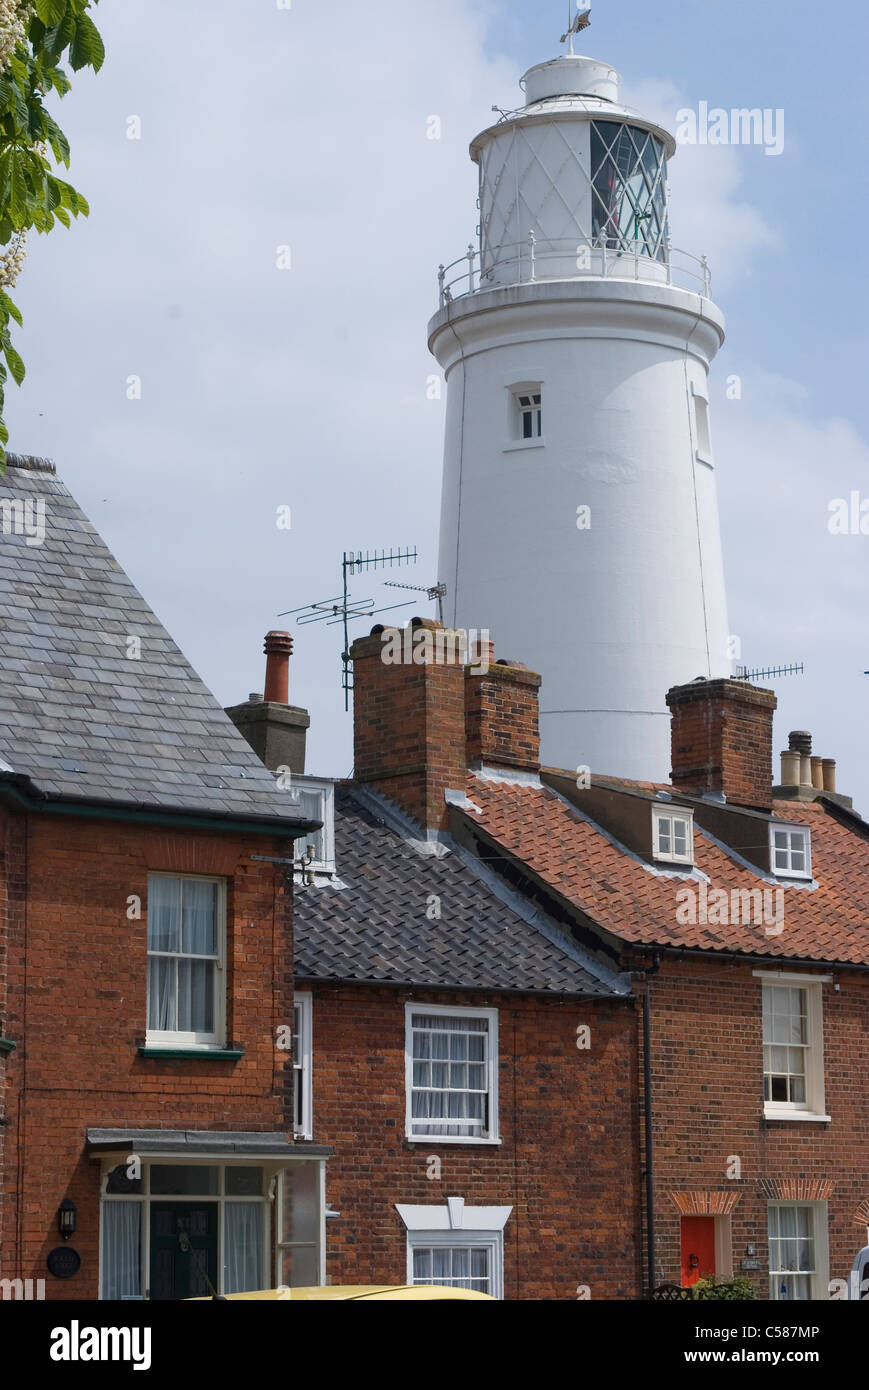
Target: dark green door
[[183, 1249]]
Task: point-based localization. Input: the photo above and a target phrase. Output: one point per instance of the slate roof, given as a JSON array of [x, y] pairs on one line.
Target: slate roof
[[828, 921], [80, 718], [376, 929]]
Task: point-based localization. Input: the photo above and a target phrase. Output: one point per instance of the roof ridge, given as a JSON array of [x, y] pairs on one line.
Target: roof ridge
[[32, 463]]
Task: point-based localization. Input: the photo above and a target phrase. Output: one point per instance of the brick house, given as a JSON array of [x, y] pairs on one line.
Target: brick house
[[471, 1067], [145, 947], [740, 907]]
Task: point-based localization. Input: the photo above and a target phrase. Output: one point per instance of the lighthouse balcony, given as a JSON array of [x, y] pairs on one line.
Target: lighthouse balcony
[[572, 258]]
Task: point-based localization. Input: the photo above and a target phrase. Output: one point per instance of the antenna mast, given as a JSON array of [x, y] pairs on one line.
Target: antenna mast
[[345, 609]]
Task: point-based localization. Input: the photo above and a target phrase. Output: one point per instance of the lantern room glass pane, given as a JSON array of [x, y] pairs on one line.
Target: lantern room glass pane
[[628, 174]]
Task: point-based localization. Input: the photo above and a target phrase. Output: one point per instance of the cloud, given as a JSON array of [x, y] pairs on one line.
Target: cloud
[[796, 592]]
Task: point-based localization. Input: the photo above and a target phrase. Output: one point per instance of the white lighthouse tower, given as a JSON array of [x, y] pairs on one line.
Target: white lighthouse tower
[[579, 519]]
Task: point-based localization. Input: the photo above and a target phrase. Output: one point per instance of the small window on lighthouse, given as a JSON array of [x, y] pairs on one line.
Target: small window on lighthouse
[[528, 404], [701, 419]]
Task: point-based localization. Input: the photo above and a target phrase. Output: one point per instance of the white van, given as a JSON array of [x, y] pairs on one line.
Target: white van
[[858, 1284]]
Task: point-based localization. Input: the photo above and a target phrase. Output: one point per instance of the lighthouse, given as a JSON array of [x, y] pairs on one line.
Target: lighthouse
[[579, 516]]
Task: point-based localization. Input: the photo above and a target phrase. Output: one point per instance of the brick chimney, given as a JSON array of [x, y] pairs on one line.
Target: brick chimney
[[426, 708], [409, 716], [275, 729], [721, 739], [502, 723]]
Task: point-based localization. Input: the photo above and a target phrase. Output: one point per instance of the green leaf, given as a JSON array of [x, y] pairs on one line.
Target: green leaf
[[10, 309], [16, 366], [57, 139], [63, 216], [18, 189], [87, 49], [60, 36], [50, 11]]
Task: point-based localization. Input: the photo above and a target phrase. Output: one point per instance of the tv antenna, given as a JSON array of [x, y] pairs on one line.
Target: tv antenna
[[345, 609], [743, 673], [576, 24], [436, 592]]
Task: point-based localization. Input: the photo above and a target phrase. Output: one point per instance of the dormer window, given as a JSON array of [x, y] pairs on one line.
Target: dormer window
[[673, 835], [790, 851], [317, 800]]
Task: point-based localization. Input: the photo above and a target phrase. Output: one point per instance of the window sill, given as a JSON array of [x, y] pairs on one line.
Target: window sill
[[799, 1115], [202, 1054], [515, 444], [7, 1045], [429, 1139], [704, 458]]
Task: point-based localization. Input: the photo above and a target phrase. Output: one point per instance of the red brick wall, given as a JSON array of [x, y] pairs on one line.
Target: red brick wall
[[721, 740], [11, 887], [78, 1011], [502, 718], [706, 1030], [567, 1165]]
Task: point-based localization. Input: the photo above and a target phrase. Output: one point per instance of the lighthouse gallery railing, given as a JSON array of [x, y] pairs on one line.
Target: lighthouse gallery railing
[[571, 258]]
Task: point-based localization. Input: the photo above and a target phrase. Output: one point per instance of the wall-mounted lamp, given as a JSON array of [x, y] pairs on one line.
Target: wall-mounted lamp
[[67, 1213]]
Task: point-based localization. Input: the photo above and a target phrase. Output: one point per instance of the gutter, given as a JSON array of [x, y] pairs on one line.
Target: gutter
[[526, 991], [22, 794], [745, 958]]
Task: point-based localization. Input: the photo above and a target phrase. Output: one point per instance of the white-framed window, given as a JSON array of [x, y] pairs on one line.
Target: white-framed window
[[793, 1047], [174, 1228], [303, 1012], [673, 835], [790, 850], [468, 1262], [798, 1253], [528, 412], [301, 1225], [186, 948], [456, 1245], [451, 1064], [317, 800]]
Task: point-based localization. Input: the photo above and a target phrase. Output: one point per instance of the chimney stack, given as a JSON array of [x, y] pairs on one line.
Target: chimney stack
[[409, 716], [427, 705], [278, 648], [803, 773], [721, 736], [502, 716], [275, 729]]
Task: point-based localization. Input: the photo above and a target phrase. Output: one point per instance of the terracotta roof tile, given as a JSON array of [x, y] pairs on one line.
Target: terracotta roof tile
[[828, 920]]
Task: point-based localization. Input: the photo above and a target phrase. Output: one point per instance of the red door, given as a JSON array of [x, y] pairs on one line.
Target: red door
[[698, 1248]]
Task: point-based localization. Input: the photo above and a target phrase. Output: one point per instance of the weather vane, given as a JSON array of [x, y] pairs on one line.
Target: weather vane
[[581, 21]]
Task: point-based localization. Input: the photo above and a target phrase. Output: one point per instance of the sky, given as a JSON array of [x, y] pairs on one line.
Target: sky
[[263, 260]]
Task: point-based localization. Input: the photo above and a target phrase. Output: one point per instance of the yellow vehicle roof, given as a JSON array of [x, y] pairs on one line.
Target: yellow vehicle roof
[[425, 1292]]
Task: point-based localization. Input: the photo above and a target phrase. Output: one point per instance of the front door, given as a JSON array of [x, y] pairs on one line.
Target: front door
[[698, 1248], [183, 1249]]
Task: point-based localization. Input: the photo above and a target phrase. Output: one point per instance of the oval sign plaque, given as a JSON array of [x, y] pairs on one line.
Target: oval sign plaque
[[63, 1262]]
